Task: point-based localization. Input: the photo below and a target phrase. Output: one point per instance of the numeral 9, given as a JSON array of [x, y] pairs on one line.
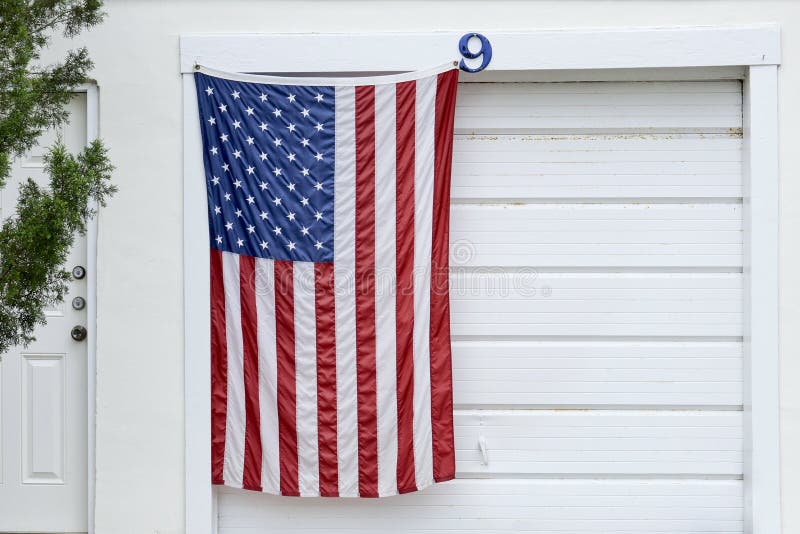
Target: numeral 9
[[485, 52]]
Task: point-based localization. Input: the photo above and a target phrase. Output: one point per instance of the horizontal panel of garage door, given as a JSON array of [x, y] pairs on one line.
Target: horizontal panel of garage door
[[575, 107], [591, 235], [584, 373], [598, 443], [597, 166], [596, 304], [503, 506]]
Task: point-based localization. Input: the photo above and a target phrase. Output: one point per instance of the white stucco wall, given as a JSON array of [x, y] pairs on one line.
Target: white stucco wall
[[140, 441]]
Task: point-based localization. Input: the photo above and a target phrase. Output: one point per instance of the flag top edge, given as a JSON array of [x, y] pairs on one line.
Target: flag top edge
[[328, 81]]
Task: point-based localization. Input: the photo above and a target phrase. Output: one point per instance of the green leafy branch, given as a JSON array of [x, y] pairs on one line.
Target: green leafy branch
[[35, 242]]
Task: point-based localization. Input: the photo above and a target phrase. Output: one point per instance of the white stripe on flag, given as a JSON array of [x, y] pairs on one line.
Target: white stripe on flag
[[385, 280], [423, 209], [235, 417], [344, 270], [267, 375], [305, 351]]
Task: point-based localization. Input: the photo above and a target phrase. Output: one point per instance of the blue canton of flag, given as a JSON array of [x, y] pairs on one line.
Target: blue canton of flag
[[269, 160]]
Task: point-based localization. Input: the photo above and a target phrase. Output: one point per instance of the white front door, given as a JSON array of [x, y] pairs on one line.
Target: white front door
[[43, 402]]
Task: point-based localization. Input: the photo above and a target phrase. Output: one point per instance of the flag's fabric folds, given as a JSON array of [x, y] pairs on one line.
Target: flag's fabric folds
[[328, 210]]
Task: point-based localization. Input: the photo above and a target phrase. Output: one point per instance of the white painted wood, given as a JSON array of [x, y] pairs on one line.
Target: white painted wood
[[589, 373], [44, 401], [599, 106], [587, 304], [92, 127], [636, 165], [43, 389], [597, 235], [732, 72], [598, 443], [200, 509], [762, 367], [574, 49], [503, 506]]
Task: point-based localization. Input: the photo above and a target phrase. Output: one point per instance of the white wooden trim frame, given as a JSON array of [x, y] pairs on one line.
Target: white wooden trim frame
[[755, 49], [92, 133], [761, 350]]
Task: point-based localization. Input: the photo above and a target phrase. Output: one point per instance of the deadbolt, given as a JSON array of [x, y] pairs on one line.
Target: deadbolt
[[78, 333], [78, 303], [78, 272]]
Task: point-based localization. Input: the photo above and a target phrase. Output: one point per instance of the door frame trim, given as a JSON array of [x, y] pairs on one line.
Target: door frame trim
[[92, 132], [548, 54]]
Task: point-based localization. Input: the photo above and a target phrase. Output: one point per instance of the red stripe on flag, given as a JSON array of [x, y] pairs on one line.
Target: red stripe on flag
[[326, 379], [365, 292], [219, 368], [251, 476], [444, 462], [404, 298], [287, 399]]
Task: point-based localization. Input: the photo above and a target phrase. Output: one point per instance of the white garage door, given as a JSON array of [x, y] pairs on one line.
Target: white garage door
[[596, 315]]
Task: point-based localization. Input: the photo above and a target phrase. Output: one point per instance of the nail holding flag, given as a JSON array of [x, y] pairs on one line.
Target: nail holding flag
[[328, 210]]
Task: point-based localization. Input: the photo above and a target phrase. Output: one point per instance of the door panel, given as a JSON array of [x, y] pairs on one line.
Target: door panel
[[43, 414]]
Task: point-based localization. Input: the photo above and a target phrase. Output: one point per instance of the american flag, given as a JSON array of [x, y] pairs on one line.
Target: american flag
[[328, 211]]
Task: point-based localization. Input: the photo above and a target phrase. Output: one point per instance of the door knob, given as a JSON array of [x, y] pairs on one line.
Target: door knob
[[78, 272], [78, 333]]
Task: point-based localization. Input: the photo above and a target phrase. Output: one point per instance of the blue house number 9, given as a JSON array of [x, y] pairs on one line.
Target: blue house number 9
[[484, 52]]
